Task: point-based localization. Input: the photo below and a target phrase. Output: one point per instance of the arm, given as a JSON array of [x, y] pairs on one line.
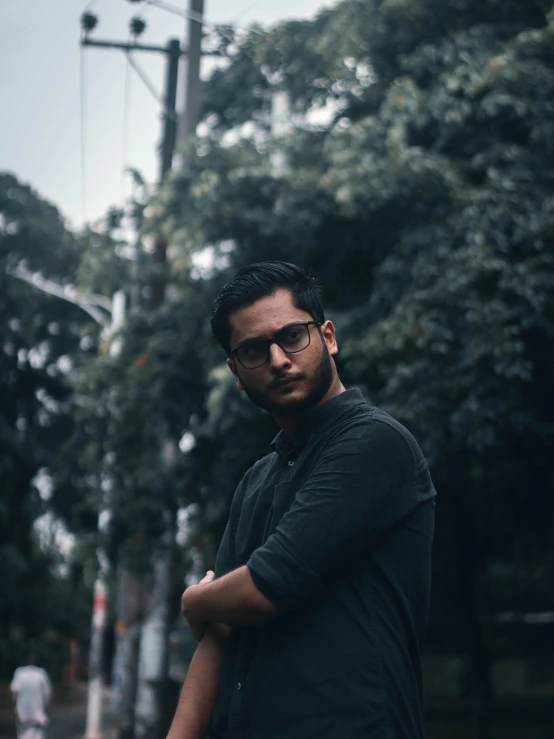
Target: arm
[[200, 687], [363, 486], [14, 687], [232, 599], [47, 690]]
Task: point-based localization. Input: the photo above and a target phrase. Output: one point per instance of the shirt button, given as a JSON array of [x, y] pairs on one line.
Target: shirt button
[[291, 463], [239, 686]]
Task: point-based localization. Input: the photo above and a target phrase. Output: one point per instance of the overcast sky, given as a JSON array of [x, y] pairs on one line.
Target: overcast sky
[[41, 65]]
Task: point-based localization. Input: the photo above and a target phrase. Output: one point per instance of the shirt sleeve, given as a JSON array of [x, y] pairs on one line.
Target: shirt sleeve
[[47, 687], [15, 684], [226, 560], [362, 486]]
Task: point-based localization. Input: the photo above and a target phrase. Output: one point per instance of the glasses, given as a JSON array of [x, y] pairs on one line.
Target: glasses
[[291, 339]]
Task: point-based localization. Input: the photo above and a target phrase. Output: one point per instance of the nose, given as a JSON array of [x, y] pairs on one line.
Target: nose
[[278, 359]]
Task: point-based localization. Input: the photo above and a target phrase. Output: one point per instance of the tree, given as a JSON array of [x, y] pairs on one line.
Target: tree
[[40, 334], [429, 192], [416, 179]]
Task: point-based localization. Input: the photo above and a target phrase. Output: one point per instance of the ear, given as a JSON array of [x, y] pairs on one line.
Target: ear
[[233, 367], [330, 338]]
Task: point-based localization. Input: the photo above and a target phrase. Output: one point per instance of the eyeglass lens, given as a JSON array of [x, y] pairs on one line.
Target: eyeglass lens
[[291, 339]]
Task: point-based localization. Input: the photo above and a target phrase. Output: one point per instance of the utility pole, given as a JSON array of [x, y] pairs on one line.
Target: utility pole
[[152, 651], [172, 53], [166, 160], [191, 113], [151, 705]]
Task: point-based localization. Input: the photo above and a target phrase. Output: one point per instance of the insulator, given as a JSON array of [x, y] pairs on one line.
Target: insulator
[[89, 21], [137, 26]]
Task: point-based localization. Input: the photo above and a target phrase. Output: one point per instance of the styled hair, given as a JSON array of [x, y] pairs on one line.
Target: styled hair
[[259, 280]]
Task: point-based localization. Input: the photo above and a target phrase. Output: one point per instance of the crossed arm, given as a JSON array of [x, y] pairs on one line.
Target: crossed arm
[[332, 518], [211, 607], [232, 599]]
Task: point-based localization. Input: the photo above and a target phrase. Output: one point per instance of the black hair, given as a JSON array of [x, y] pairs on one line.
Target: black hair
[[259, 280]]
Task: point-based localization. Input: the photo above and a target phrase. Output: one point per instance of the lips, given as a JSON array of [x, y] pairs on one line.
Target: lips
[[283, 382]]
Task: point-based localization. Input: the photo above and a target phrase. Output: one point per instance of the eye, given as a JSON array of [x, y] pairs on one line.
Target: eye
[[293, 335], [251, 349]]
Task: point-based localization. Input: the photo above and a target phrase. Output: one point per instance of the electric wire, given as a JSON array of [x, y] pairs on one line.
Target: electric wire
[[243, 12], [126, 109], [146, 6], [83, 132], [198, 17]]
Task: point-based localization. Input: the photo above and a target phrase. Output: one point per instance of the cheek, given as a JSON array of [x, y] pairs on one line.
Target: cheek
[[314, 352], [254, 378]]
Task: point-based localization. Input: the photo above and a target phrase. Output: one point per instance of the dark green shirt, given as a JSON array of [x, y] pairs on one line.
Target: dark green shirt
[[337, 529]]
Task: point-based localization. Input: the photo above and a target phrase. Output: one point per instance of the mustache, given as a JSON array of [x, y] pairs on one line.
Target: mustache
[[277, 381]]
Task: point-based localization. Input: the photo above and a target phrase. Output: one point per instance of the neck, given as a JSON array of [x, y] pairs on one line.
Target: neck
[[289, 424]]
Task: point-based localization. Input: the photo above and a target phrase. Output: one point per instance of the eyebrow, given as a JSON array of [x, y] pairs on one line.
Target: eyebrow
[[261, 338]]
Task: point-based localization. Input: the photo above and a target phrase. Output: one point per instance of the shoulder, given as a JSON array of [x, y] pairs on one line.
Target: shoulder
[[387, 426], [367, 428]]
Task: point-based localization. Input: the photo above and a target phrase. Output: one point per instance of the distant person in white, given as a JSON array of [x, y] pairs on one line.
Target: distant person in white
[[32, 692]]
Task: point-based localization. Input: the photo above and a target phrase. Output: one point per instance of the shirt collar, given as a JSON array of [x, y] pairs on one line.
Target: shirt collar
[[316, 420]]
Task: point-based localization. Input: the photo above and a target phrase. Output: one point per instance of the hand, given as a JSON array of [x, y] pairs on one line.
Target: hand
[[197, 627], [208, 577]]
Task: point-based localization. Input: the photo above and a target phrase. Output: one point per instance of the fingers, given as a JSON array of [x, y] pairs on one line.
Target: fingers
[[208, 577]]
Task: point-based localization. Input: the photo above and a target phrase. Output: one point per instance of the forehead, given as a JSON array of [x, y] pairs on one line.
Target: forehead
[[264, 317]]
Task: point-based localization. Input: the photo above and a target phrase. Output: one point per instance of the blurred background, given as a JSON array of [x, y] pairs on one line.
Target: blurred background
[[404, 150]]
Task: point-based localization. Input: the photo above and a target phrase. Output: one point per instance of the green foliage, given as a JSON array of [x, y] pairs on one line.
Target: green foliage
[[416, 178], [40, 335], [426, 206]]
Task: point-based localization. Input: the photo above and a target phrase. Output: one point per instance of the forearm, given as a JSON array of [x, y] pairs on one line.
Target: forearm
[[200, 687], [232, 599]]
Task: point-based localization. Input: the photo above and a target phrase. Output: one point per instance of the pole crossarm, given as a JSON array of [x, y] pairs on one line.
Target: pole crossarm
[[85, 41], [89, 303]]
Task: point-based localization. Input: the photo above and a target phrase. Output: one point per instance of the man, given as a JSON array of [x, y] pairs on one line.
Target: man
[[312, 627], [32, 692]]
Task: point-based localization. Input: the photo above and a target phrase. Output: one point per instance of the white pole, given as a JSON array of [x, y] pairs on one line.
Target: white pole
[[100, 608], [96, 678]]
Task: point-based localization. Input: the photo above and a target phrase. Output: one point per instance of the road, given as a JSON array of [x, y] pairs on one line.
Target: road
[[67, 721]]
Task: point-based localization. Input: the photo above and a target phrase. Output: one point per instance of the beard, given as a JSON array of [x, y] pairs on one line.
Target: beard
[[319, 385]]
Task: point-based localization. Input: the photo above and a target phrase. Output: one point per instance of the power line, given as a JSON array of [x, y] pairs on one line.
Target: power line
[[83, 129], [146, 6], [243, 12], [126, 109], [178, 11], [198, 17]]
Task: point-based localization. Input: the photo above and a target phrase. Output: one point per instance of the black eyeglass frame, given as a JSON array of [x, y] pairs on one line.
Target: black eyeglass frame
[[275, 340]]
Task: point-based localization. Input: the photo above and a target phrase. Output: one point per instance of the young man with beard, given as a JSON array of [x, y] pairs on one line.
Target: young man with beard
[[312, 626]]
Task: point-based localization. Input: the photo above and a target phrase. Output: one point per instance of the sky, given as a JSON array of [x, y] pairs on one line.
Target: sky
[[78, 161]]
